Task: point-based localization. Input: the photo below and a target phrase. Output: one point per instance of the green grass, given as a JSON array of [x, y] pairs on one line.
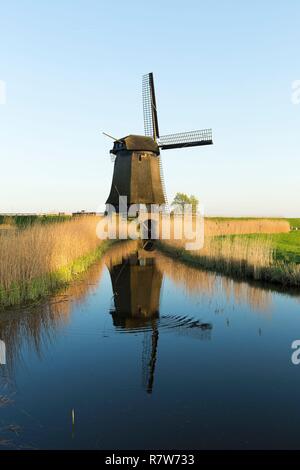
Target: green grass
[[294, 223], [286, 245], [37, 288]]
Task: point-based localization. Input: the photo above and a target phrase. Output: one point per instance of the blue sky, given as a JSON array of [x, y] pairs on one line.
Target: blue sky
[[74, 68]]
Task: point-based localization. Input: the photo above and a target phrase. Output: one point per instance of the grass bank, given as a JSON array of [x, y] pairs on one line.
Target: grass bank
[[294, 223], [41, 258], [286, 246], [32, 290], [283, 234]]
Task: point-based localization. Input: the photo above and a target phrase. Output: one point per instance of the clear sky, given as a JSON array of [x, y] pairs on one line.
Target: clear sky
[[74, 68]]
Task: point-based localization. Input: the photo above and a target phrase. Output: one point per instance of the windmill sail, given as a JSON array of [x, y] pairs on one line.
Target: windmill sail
[[186, 139], [151, 121], [149, 107], [138, 171]]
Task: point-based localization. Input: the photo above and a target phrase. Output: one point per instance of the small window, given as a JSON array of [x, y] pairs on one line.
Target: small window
[[140, 158]]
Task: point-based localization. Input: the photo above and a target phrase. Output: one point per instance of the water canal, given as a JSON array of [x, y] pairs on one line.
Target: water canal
[[146, 352]]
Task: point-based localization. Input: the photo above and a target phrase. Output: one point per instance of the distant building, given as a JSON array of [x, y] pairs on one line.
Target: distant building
[[82, 213]]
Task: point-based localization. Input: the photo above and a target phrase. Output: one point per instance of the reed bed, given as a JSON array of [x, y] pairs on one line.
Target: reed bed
[[242, 257], [218, 227], [37, 259]]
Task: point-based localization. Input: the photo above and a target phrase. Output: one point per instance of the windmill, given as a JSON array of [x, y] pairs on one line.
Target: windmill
[[138, 171]]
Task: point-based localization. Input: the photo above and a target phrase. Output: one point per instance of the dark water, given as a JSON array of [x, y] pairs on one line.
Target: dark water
[[148, 353]]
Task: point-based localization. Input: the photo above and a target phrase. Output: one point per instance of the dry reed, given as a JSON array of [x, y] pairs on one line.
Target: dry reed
[[40, 255], [240, 256], [243, 257], [218, 227]]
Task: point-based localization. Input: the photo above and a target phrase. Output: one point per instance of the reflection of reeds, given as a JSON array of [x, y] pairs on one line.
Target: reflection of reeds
[[119, 251], [36, 260], [77, 291], [37, 324], [194, 280], [199, 282]]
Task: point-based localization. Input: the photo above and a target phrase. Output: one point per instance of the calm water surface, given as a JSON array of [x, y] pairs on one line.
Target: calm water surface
[[148, 353]]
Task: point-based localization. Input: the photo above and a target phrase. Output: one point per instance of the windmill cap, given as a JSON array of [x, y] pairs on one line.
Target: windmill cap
[[136, 143]]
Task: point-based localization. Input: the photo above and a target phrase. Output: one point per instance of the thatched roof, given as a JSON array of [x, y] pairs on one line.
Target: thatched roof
[[136, 143]]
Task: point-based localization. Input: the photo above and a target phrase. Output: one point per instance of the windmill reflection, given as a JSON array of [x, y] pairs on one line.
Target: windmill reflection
[[136, 283]]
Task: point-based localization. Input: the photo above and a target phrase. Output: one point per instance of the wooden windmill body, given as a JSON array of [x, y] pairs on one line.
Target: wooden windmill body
[[138, 171]]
